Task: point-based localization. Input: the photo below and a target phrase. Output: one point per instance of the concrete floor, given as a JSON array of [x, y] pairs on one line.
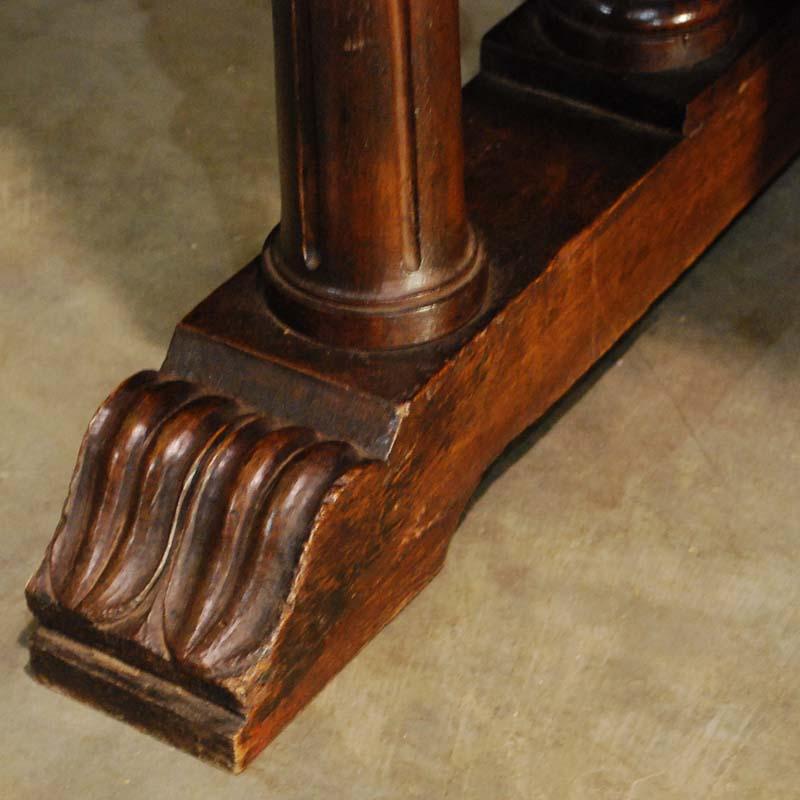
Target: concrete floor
[[620, 613]]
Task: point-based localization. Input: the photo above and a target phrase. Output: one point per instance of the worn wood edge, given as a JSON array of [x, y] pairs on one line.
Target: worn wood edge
[[151, 704], [375, 598]]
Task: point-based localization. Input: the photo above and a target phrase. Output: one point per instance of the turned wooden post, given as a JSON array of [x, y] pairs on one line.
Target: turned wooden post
[[374, 249], [642, 35]]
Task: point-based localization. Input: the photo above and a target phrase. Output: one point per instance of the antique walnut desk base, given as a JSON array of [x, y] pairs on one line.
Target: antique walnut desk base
[[245, 519]]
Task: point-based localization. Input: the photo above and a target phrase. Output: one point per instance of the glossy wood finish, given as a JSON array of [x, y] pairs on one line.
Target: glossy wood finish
[[642, 35], [243, 521], [374, 249], [520, 50]]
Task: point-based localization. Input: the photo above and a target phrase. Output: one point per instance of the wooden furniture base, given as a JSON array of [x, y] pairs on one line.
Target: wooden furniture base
[[242, 521]]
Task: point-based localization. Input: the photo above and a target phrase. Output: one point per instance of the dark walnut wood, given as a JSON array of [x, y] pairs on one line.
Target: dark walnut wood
[[642, 35], [242, 521], [185, 521], [374, 248]]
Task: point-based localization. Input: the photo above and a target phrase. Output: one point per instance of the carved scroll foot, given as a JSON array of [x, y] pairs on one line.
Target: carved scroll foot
[[179, 547], [205, 555]]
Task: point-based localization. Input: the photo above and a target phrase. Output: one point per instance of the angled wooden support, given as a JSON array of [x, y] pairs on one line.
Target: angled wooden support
[[243, 520]]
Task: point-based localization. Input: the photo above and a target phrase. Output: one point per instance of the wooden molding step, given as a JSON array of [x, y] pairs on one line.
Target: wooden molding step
[[242, 521]]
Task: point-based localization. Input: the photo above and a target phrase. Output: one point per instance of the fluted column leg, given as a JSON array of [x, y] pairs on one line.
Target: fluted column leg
[[374, 249]]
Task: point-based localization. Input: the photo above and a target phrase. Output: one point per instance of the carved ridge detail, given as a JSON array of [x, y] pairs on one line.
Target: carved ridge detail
[[185, 520]]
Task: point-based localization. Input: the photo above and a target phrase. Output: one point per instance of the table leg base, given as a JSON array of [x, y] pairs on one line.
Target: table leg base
[[244, 520]]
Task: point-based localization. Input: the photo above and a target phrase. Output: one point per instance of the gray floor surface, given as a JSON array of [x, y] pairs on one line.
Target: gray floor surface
[[620, 613]]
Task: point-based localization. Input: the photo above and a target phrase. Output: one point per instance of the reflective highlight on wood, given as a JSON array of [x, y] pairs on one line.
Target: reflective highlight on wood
[[185, 522], [642, 35], [374, 249]]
